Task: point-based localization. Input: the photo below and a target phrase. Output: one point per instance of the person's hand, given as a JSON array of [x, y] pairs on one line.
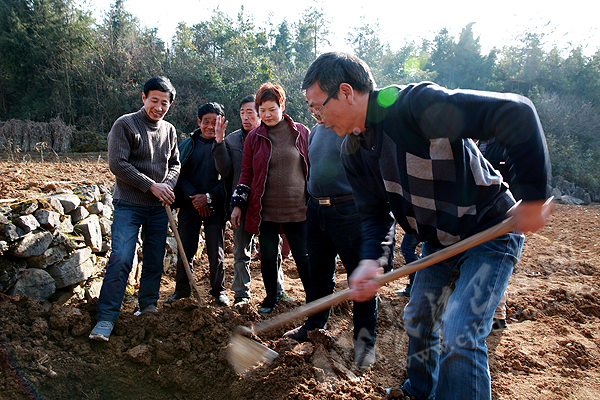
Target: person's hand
[[220, 126], [236, 217], [361, 281], [163, 192], [200, 203], [532, 216]]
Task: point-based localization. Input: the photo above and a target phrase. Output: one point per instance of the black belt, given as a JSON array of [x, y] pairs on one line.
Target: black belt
[[328, 201]]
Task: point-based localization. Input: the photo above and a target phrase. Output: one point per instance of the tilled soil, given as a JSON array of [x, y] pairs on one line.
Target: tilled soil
[[551, 350]]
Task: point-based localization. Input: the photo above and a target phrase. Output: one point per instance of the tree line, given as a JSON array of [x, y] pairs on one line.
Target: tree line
[[58, 62]]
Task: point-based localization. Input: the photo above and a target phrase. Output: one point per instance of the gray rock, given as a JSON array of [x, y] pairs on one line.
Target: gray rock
[[107, 212], [3, 247], [74, 269], [35, 283], [29, 208], [79, 214], [579, 193], [169, 262], [105, 226], [49, 257], [587, 199], [33, 244], [90, 229], [68, 201], [27, 223], [6, 211], [4, 219], [557, 194], [93, 291], [172, 245], [66, 226], [9, 272], [48, 219], [57, 205], [107, 199], [95, 207], [87, 194], [570, 200], [104, 188], [12, 232], [59, 238]]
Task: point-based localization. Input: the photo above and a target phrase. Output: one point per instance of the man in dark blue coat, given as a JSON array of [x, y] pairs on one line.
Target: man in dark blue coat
[[408, 156]]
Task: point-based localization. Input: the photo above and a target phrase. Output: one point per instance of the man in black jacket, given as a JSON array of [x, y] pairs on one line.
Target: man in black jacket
[[409, 157], [202, 201]]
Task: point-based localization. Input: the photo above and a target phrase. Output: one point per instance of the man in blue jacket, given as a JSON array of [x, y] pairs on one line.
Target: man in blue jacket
[[408, 156]]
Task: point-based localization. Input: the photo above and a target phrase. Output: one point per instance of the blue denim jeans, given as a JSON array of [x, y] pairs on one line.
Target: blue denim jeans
[[408, 247], [457, 296], [128, 218], [334, 230]]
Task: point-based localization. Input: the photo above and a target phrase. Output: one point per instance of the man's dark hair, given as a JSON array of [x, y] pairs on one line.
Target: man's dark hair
[[162, 84], [211, 108], [249, 99], [330, 70]]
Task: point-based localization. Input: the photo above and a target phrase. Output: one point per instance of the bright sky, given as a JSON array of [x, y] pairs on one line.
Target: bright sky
[[568, 23]]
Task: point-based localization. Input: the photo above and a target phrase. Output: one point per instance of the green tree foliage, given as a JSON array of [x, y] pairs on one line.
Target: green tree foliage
[[58, 62], [44, 45], [460, 64]]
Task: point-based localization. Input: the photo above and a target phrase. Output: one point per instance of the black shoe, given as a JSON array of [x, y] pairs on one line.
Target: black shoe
[[499, 325], [240, 301], [264, 310], [267, 307], [176, 296], [299, 334], [404, 292]]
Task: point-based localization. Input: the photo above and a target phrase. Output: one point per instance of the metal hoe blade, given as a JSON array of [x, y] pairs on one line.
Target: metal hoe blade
[[245, 354]]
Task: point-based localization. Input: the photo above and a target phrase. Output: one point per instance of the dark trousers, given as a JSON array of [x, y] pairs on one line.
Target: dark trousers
[[190, 223], [334, 230], [269, 248]]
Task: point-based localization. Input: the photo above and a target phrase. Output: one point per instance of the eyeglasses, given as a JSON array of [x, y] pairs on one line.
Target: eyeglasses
[[316, 115]]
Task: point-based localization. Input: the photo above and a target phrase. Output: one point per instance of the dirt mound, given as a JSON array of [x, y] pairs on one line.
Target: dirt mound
[[551, 351]]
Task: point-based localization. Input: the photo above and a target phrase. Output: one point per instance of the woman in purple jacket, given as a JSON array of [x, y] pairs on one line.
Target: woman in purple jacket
[[272, 187]]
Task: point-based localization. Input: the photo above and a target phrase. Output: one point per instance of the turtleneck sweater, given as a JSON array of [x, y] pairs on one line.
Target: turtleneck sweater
[[142, 152], [284, 199]]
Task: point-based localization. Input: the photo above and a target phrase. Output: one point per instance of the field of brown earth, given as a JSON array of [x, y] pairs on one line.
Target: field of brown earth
[[550, 352]]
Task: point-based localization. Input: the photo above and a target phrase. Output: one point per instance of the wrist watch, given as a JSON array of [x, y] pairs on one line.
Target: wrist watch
[[208, 199]]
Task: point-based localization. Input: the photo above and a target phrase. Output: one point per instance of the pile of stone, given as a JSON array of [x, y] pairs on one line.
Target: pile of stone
[[566, 192], [57, 246]]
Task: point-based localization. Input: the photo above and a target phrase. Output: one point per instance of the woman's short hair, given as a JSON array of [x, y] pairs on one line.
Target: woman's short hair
[[270, 92]]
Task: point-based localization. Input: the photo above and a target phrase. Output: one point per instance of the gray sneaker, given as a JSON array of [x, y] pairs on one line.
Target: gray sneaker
[[149, 309], [102, 331], [364, 355]]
